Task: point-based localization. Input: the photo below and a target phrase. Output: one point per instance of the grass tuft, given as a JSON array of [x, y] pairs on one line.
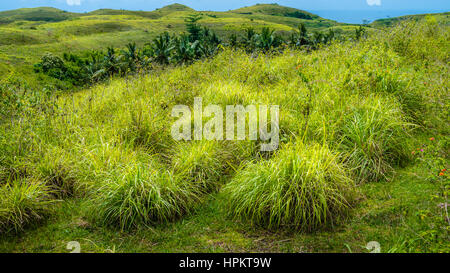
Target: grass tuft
[[375, 137], [144, 195], [303, 187], [22, 202]]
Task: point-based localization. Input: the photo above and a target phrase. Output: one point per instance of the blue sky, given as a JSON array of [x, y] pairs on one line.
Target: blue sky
[[88, 5]]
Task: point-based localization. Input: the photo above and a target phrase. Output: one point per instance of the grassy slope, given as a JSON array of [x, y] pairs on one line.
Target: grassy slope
[[29, 33], [401, 213], [441, 17]]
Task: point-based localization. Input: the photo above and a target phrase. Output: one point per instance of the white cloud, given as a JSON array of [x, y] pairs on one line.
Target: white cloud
[[374, 2], [73, 2]]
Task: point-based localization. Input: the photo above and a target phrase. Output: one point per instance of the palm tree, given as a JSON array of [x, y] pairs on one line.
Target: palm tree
[[300, 38], [112, 64], [162, 48], [266, 40], [131, 55], [249, 39], [208, 43], [94, 65], [329, 36], [186, 51]]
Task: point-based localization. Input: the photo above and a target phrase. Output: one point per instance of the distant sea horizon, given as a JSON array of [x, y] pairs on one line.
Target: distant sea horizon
[[358, 16]]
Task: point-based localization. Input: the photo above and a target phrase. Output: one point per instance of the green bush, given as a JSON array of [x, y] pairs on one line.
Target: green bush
[[303, 187]]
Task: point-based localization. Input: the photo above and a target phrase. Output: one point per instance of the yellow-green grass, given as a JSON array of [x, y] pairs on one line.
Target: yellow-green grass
[[109, 133], [388, 22], [25, 39]]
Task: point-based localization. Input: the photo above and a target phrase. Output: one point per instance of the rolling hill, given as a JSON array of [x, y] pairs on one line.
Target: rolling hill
[[387, 22], [45, 14], [276, 10], [29, 33]]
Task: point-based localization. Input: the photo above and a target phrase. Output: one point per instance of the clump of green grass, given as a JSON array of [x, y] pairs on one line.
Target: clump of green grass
[[375, 136], [22, 202], [201, 162], [149, 131], [143, 195], [54, 168], [303, 187]]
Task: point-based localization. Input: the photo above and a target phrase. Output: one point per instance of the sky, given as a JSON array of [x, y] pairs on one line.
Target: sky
[[336, 8]]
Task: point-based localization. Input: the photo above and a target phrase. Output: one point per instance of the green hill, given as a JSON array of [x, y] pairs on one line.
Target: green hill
[[35, 14], [29, 33], [276, 10], [158, 13], [387, 22]]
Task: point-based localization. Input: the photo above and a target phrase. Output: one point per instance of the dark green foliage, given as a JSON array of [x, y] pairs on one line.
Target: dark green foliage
[[193, 28], [233, 40], [267, 40], [359, 32], [162, 48], [300, 15], [186, 51], [199, 42], [300, 38], [302, 187]]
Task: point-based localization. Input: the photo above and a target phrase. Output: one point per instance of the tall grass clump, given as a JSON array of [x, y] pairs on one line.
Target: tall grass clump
[[425, 40], [201, 162], [22, 202], [149, 131], [55, 169], [303, 187], [143, 195], [375, 137]]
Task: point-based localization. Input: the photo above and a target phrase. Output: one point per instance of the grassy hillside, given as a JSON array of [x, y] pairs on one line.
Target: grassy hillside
[[440, 17], [276, 10], [29, 33], [45, 14], [364, 133], [363, 156]]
